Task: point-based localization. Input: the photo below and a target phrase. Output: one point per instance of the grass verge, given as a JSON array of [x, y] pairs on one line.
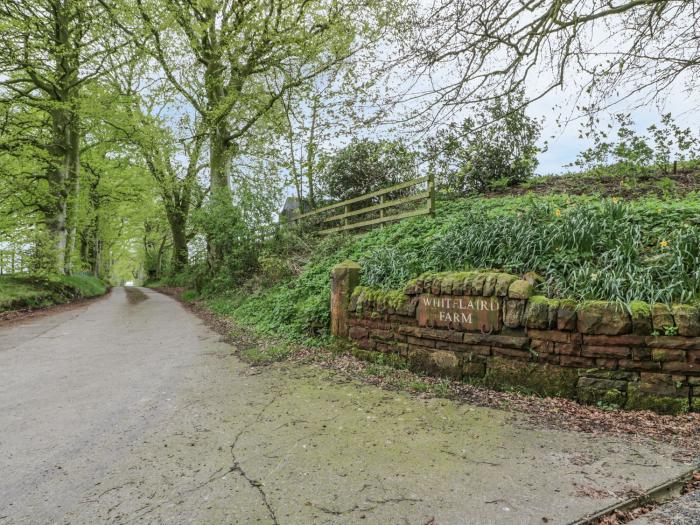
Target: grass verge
[[20, 292]]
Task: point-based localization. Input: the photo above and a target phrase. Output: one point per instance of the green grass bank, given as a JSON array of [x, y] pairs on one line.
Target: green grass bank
[[584, 247], [18, 292]]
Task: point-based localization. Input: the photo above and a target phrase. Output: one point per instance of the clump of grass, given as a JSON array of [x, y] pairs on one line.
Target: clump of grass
[[189, 296], [260, 355]]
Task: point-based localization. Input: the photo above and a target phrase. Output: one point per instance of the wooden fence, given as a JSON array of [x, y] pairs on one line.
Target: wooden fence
[[384, 207]]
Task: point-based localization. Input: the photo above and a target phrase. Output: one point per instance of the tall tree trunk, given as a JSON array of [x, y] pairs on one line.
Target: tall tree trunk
[[221, 153], [179, 234], [59, 188], [74, 188], [311, 154], [65, 144]]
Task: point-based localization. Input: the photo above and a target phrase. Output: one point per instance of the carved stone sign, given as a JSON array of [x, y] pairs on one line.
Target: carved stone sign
[[466, 313]]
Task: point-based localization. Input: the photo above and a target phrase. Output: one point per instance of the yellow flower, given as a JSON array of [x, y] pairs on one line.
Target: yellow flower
[[615, 200], [658, 210], [557, 212], [663, 244]]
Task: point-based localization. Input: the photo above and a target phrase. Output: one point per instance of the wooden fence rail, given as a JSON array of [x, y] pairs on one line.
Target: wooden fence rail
[[383, 207]]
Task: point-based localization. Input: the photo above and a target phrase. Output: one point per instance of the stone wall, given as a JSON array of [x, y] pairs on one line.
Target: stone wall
[[640, 357]]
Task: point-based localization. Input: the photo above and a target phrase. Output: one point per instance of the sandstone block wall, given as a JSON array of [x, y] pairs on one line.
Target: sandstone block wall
[[637, 357]]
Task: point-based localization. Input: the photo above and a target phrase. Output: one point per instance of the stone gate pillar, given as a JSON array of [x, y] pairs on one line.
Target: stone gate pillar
[[344, 278]]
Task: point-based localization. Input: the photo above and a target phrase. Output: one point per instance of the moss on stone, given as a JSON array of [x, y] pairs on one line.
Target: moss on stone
[[667, 354], [603, 317], [641, 317], [566, 314], [637, 400], [542, 379], [687, 318], [503, 282], [489, 287], [387, 298], [537, 312], [662, 318], [602, 373], [640, 309], [611, 398], [364, 355], [520, 289]]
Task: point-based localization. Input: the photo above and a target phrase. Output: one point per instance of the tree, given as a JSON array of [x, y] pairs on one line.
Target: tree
[[498, 146], [233, 61], [494, 48], [318, 114], [364, 166], [51, 49]]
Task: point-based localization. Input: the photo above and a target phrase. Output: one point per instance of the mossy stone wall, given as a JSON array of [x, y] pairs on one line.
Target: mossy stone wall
[[637, 357]]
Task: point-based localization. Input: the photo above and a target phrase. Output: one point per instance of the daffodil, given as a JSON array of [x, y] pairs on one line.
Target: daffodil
[[663, 244], [615, 200], [557, 212]]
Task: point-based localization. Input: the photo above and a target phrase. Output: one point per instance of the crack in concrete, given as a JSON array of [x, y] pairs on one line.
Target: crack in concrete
[[357, 508], [236, 467], [218, 475]]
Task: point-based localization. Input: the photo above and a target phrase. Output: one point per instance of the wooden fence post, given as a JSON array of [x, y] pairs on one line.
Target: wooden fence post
[[431, 191], [382, 212], [344, 279]]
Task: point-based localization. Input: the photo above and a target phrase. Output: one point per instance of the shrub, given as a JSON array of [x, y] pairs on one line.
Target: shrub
[[620, 150], [495, 148], [227, 231], [365, 166]]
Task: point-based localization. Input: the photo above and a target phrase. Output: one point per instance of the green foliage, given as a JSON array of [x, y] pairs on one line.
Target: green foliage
[[189, 295], [621, 150], [34, 291], [226, 229], [494, 149], [585, 247], [364, 166]]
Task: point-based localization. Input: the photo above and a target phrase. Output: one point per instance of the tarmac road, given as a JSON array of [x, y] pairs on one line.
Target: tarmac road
[[130, 410]]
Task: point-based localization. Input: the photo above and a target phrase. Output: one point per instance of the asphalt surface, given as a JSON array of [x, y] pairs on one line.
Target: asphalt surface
[[130, 410]]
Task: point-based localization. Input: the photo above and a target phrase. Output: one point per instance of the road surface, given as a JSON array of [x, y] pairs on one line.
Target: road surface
[[130, 410]]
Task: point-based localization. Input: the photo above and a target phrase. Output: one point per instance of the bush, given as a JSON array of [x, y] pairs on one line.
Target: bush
[[365, 166], [234, 240], [496, 148], [620, 150]]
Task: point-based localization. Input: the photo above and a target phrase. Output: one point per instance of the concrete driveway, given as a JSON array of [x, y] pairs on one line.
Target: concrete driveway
[[130, 410]]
